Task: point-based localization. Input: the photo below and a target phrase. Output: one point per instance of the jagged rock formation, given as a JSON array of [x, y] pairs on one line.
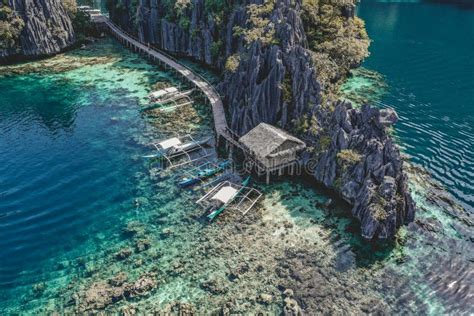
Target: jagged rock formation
[[364, 165], [47, 29], [270, 76]]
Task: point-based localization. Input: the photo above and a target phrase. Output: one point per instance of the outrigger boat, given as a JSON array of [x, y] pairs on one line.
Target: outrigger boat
[[203, 172], [175, 96], [160, 103], [228, 195], [163, 93], [174, 147]]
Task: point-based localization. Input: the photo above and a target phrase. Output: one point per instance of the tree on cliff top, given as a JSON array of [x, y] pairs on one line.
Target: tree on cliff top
[[337, 39]]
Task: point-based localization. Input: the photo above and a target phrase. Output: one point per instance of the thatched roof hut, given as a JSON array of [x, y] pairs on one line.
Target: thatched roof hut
[[272, 146]]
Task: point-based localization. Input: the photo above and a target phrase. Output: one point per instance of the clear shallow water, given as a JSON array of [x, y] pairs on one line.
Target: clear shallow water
[[72, 179], [425, 53], [70, 167]]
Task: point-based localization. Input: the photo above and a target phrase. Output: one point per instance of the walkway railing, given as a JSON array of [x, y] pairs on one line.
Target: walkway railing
[[197, 80], [166, 55], [205, 87]]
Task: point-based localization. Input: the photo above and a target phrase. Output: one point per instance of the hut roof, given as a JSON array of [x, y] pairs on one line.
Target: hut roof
[[267, 140]]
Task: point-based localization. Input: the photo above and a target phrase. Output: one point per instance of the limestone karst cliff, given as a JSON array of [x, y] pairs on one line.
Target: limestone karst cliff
[[280, 63], [33, 28]]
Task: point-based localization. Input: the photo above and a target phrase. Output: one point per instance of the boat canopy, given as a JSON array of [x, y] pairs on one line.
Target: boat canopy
[[172, 142], [225, 194], [163, 92], [231, 196], [179, 151]]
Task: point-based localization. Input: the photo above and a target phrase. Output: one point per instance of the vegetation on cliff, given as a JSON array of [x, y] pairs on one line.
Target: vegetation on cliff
[[127, 10], [337, 39], [80, 21], [258, 26], [11, 26]]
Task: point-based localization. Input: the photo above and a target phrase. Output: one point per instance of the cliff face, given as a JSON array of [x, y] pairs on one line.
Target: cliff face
[[361, 161], [46, 29], [269, 75]]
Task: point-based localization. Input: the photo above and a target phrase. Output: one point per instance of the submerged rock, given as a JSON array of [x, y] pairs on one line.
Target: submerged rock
[[142, 244], [214, 286], [291, 307], [98, 296], [123, 253], [119, 279], [134, 229], [101, 294], [178, 308], [143, 285], [265, 299], [39, 288]]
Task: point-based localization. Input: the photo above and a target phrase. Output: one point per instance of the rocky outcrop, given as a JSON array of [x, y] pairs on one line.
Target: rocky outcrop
[[272, 79], [47, 29], [364, 165], [253, 93], [195, 40], [273, 83]]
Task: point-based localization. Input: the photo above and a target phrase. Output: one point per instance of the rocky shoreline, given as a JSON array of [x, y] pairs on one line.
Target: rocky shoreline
[[270, 75]]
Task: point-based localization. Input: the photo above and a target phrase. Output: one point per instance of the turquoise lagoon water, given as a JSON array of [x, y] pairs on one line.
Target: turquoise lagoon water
[[72, 178], [71, 172], [425, 53]]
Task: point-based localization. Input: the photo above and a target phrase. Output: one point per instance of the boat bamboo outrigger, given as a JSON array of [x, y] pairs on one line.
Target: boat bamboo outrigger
[[229, 195], [203, 172], [179, 148], [162, 93], [176, 96], [170, 101]]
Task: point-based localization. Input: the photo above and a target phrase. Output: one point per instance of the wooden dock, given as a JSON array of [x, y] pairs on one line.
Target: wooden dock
[[207, 89], [200, 83]]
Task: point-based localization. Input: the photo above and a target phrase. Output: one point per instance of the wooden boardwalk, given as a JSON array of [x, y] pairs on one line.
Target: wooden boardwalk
[[206, 88], [196, 80]]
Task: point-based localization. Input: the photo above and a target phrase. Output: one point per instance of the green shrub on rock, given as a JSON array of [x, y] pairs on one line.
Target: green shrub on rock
[[258, 27], [11, 26], [232, 63], [216, 49], [324, 142], [348, 157], [337, 43]]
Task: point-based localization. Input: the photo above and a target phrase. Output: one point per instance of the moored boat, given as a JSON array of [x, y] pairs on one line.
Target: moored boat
[[229, 195], [202, 172], [174, 147], [156, 96]]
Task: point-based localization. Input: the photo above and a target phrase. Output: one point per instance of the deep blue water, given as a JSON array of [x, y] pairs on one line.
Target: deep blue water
[[425, 51], [54, 153], [69, 167]]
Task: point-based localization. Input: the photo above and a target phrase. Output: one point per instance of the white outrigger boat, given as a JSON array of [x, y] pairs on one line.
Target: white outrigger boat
[[179, 147], [229, 195], [175, 96], [161, 98], [162, 93]]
